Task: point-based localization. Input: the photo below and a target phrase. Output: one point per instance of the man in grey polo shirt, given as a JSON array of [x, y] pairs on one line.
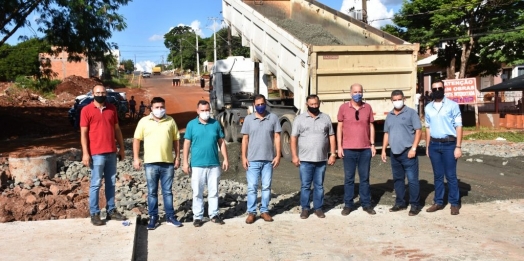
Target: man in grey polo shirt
[[402, 133], [314, 132], [260, 155]]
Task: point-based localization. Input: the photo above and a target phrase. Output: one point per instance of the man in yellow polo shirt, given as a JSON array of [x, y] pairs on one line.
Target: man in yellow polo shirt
[[160, 134]]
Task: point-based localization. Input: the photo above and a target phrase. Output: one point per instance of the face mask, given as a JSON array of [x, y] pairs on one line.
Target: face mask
[[100, 99], [260, 109], [159, 113], [313, 110], [204, 115], [438, 95], [398, 104], [357, 97]]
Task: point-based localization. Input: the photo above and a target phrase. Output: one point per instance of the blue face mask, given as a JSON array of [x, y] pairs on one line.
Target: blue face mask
[[357, 97], [260, 109]]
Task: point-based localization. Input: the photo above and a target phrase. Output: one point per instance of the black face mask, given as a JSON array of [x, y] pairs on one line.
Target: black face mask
[[100, 99], [313, 110], [438, 94]]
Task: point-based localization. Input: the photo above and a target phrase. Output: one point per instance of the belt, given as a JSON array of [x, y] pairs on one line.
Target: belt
[[447, 139]]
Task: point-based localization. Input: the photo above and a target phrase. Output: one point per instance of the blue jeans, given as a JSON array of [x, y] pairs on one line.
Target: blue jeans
[[353, 159], [402, 167], [103, 166], [444, 163], [312, 172], [163, 172], [264, 171]]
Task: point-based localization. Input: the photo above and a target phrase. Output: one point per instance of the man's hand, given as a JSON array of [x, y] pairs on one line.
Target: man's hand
[[383, 156], [412, 153], [177, 163], [245, 163], [295, 161], [186, 169], [225, 165], [373, 151], [458, 153], [86, 160], [121, 154], [136, 164], [340, 152], [332, 159], [427, 150], [276, 161]]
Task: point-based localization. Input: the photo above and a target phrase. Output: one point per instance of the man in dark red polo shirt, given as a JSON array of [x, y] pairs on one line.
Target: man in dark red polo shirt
[[98, 129]]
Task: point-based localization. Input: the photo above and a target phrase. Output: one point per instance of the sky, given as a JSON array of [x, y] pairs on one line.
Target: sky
[[148, 21]]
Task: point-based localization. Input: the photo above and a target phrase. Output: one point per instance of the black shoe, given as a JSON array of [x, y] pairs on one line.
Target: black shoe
[[346, 211], [197, 223], [95, 220], [153, 223], [414, 210], [397, 208], [217, 220], [369, 210], [114, 215]]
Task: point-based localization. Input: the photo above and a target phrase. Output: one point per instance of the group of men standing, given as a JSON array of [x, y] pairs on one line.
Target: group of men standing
[[313, 147]]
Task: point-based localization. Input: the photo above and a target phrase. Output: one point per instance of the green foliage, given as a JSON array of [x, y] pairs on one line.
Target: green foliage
[[22, 59], [512, 136], [483, 32], [129, 65], [76, 26], [42, 85]]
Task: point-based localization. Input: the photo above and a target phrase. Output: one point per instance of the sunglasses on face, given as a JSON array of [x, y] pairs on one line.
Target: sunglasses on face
[[356, 115], [437, 89]]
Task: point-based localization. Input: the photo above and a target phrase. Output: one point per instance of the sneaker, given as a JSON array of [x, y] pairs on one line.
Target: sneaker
[[197, 223], [346, 211], [95, 220], [217, 220], [153, 222], [114, 215], [173, 222]]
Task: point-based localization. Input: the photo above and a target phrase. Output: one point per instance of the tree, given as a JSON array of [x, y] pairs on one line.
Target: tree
[[468, 29], [181, 41], [76, 26], [23, 60], [129, 65]]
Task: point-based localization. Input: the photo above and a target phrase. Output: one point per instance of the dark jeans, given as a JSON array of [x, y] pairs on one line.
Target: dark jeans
[[163, 172], [353, 159], [312, 172], [444, 164], [402, 167]]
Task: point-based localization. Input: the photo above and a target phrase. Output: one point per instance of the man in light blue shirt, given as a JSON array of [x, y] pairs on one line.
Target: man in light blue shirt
[[443, 146]]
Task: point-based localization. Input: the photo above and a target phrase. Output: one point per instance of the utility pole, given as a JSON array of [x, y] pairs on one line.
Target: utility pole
[[198, 56], [365, 11], [229, 41], [180, 55], [214, 19]]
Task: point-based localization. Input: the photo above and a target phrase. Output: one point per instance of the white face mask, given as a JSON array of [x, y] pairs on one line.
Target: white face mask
[[204, 115], [159, 113], [398, 104]]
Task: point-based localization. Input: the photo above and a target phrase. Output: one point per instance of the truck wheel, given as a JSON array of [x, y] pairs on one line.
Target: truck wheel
[[285, 140], [227, 130]]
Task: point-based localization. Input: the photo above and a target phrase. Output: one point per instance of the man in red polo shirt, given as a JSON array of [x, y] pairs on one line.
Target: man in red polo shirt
[[356, 146], [98, 129]]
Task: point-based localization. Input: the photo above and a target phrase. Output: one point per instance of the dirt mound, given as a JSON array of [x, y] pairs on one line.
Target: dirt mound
[[76, 85]]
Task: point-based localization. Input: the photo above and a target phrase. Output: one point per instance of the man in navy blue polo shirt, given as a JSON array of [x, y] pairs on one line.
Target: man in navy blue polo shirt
[[402, 133], [444, 139]]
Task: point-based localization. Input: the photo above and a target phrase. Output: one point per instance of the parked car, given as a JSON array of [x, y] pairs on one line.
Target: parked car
[[121, 104], [146, 75]]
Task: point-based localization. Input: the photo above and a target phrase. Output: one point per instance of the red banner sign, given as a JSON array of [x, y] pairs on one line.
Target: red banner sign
[[462, 91]]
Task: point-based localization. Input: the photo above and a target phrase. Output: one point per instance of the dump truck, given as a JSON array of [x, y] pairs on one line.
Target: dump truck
[[157, 70], [308, 48]]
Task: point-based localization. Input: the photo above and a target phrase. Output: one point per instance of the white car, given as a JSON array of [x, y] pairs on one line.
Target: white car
[[146, 74]]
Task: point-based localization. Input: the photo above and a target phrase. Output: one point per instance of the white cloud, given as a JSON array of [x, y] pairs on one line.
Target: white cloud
[[145, 66], [156, 37], [376, 10]]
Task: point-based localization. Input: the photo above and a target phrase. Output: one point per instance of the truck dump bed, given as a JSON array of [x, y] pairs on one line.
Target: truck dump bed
[[313, 49]]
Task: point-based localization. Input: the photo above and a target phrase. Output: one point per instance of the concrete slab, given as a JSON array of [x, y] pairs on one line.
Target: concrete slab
[[69, 239], [488, 231]]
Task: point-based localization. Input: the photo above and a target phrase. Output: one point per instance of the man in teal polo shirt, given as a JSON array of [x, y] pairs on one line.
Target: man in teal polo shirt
[[201, 138]]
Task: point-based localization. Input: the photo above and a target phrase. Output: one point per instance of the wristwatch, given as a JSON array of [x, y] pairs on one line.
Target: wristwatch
[[332, 154], [414, 149]]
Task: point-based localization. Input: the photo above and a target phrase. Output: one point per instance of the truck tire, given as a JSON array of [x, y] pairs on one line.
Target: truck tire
[[285, 140]]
